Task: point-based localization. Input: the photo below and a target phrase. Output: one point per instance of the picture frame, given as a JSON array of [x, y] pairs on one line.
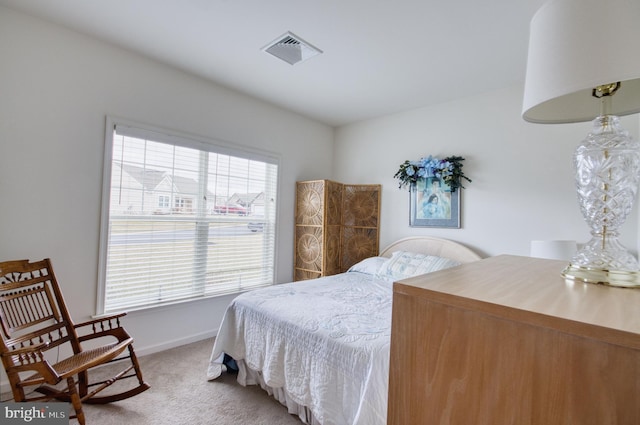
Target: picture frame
[[433, 204]]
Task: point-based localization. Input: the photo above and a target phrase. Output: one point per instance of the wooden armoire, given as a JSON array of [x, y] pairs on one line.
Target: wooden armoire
[[336, 225]]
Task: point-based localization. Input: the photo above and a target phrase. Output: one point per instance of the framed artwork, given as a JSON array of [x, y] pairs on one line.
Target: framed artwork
[[432, 204]]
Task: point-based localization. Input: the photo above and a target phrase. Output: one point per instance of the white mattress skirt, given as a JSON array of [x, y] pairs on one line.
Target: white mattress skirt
[[248, 376]]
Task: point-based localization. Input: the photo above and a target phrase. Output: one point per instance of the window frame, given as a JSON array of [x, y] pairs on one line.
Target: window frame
[[172, 137]]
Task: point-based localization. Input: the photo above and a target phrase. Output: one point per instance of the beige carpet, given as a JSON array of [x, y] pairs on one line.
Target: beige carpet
[[181, 395]]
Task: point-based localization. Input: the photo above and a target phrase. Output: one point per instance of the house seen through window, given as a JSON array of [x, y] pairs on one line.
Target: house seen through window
[[183, 219]]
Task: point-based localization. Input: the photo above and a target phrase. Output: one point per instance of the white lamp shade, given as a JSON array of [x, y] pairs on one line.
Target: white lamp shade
[[554, 250], [575, 46]]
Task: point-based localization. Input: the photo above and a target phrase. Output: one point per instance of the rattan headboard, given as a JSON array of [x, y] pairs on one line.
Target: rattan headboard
[[432, 246]]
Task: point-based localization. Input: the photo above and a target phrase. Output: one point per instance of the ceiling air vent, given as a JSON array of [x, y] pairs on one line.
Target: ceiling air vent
[[291, 49]]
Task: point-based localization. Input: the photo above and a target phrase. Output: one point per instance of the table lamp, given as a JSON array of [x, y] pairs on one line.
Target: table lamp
[[584, 65]]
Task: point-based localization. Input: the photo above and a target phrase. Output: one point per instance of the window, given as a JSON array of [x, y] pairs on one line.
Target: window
[[179, 219], [183, 205], [163, 201]]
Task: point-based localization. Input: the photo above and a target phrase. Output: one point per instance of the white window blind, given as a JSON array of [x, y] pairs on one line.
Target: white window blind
[[183, 219]]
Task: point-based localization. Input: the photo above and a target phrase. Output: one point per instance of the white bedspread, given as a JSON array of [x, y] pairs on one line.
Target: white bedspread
[[324, 342]]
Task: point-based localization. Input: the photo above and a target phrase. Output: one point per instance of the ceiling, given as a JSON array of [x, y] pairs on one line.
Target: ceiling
[[379, 56]]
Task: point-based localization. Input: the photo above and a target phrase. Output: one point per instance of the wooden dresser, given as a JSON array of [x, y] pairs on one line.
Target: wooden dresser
[[506, 340]]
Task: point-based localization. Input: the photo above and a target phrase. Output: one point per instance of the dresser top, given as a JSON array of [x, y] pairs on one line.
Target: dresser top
[[532, 290]]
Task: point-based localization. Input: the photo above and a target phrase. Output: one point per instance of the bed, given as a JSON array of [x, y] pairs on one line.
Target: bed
[[321, 346]]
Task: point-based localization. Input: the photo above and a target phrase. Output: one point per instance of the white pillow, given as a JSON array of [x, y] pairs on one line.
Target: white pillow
[[403, 264], [368, 265]]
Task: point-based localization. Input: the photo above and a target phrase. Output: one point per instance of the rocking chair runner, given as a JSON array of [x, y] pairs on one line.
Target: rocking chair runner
[[36, 327]]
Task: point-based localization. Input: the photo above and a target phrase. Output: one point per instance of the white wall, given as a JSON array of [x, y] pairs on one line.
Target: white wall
[[56, 88], [523, 184], [635, 214]]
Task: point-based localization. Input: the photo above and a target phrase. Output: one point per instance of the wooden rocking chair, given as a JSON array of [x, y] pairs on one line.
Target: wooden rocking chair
[[37, 329]]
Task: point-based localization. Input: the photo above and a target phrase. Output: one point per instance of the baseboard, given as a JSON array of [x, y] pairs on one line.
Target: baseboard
[[166, 345], [5, 388]]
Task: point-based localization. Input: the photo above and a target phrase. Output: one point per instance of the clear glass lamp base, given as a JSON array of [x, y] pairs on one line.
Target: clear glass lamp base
[[607, 167], [604, 261]]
